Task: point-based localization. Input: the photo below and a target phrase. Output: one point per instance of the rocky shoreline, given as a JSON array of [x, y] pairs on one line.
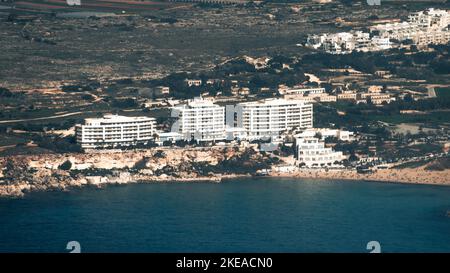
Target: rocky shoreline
[[22, 174], [19, 190]]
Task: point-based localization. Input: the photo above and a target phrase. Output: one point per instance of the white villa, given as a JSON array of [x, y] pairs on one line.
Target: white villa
[[312, 152], [325, 132]]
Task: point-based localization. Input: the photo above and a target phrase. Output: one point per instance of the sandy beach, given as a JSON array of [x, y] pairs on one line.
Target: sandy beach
[[406, 175]]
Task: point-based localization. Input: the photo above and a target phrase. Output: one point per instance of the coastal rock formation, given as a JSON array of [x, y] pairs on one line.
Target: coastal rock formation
[[21, 174]]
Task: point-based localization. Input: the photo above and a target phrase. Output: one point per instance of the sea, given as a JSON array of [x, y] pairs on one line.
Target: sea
[[241, 215]]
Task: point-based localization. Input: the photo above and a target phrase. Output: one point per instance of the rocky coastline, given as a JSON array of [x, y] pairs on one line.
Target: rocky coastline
[[20, 189], [28, 173], [22, 174]]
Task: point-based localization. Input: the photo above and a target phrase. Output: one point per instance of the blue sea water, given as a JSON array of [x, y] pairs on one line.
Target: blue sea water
[[242, 215]]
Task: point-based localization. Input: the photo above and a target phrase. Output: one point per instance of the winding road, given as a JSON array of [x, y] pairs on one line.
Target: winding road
[[41, 118]]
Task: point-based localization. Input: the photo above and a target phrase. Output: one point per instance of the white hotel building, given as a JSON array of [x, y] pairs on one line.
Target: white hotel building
[[268, 118], [115, 130], [199, 119], [312, 153]]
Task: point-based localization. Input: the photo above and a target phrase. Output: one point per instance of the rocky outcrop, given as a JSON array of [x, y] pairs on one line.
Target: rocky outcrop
[[21, 174]]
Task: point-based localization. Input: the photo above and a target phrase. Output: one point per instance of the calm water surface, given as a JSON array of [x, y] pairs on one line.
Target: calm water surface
[[245, 215]]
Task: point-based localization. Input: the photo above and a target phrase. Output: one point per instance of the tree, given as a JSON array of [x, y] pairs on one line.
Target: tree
[[353, 157], [331, 139], [4, 92], [141, 164], [408, 98], [88, 97], [67, 165], [347, 2], [124, 103]]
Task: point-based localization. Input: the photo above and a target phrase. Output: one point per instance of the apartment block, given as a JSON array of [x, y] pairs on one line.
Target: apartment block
[[268, 118], [199, 119], [115, 130]]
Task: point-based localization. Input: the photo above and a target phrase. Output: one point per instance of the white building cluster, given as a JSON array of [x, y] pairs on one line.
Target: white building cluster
[[203, 120], [422, 28], [346, 42]]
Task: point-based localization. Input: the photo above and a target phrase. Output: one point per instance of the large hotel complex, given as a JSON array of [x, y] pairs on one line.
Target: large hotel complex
[[115, 130], [202, 120]]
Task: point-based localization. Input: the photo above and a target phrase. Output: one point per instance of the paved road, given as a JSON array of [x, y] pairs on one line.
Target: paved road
[[41, 118]]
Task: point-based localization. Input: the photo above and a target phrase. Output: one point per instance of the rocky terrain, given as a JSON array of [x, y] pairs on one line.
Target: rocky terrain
[[21, 174], [51, 47]]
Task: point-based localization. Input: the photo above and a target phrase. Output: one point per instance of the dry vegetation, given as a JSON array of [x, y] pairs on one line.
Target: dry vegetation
[[49, 46]]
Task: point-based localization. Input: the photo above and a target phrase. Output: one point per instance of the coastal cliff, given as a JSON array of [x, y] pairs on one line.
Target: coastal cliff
[[21, 174]]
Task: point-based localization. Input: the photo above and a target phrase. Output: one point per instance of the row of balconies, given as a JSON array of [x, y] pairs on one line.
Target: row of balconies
[[319, 159], [116, 130], [127, 123], [326, 151]]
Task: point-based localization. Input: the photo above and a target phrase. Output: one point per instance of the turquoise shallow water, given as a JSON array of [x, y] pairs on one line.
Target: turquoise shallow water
[[245, 215]]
